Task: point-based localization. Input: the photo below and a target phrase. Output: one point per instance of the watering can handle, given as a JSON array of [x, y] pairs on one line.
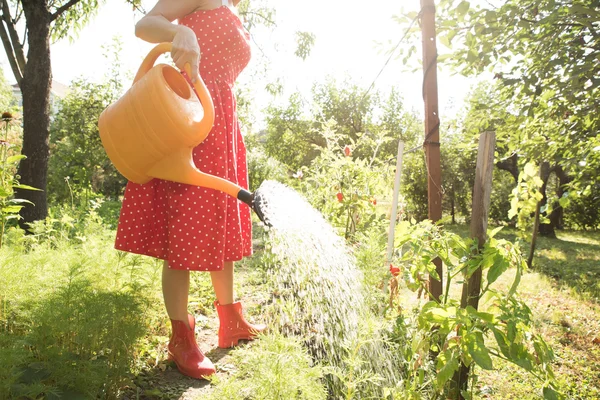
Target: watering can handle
[[199, 86]]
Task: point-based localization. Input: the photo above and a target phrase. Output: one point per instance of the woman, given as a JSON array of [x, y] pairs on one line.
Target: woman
[[194, 228]]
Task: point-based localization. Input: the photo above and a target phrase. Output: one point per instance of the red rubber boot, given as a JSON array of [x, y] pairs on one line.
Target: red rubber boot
[[184, 351], [233, 326]]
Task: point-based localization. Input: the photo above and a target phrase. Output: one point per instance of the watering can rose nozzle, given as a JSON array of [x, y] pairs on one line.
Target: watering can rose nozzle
[[255, 202]]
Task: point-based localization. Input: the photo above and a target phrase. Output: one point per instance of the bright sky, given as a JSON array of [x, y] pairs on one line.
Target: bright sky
[[346, 40]]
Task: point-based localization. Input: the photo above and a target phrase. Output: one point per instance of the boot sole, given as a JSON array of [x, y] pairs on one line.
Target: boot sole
[[191, 374], [232, 342]]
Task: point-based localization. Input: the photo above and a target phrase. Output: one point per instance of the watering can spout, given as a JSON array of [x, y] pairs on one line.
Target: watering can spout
[[151, 131], [179, 167]]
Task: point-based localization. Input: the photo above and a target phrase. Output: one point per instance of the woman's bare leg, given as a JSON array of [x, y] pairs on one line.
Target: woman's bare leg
[[176, 286], [223, 283]]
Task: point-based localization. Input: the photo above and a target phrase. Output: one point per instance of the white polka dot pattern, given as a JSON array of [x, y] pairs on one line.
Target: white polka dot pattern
[[197, 228]]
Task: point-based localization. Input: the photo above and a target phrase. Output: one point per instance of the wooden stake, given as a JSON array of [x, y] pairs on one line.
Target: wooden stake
[[479, 214], [432, 134], [479, 221], [394, 213]]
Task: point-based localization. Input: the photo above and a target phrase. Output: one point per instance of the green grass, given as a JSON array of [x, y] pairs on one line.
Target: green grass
[[572, 260], [563, 292], [274, 367]]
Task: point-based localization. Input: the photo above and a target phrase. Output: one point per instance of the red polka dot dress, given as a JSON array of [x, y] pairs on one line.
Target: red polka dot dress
[[191, 227]]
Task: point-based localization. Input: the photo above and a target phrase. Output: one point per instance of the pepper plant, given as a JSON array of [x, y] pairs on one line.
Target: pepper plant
[[443, 334]]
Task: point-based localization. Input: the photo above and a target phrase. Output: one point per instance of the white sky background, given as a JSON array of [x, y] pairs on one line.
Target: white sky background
[[345, 44]]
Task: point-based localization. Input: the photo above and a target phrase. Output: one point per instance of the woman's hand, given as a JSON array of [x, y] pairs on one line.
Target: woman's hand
[[185, 50]]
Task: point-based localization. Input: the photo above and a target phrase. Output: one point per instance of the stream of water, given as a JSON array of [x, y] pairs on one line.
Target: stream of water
[[318, 294]]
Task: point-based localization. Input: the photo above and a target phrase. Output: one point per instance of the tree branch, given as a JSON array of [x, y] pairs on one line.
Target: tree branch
[[10, 54], [265, 19], [17, 47], [62, 9], [510, 165]]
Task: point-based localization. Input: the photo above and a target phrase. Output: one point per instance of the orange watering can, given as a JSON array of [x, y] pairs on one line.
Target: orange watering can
[[151, 130]]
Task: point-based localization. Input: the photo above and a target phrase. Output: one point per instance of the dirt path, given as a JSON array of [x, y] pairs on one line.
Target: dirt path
[[166, 382]]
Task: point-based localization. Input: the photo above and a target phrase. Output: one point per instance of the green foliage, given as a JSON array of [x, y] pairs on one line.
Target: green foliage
[[457, 335], [502, 187], [72, 311], [275, 367], [292, 138], [343, 186], [305, 41], [374, 126], [9, 205], [79, 166], [7, 99], [525, 198], [553, 62], [262, 167], [458, 175], [582, 202], [414, 187]]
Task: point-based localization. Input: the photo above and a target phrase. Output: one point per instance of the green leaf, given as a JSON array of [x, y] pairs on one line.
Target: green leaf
[[447, 365], [478, 351], [462, 8], [499, 267], [502, 342], [551, 394], [412, 15], [495, 231], [15, 158], [11, 209], [530, 169], [564, 200], [20, 201], [26, 187], [487, 317], [437, 314]]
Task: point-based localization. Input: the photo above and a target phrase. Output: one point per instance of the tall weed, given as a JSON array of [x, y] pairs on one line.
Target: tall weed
[[73, 311]]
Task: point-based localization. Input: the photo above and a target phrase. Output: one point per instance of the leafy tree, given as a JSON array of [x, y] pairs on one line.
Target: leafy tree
[[399, 124], [79, 163], [543, 54], [292, 137], [458, 176], [414, 186], [294, 132]]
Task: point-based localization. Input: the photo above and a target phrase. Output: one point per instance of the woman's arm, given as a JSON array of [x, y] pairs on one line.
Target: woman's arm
[[157, 26]]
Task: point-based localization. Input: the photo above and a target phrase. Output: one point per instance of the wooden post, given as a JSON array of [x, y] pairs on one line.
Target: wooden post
[[432, 133], [479, 220], [394, 213]]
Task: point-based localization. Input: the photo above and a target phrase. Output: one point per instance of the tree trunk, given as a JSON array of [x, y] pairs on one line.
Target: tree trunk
[[453, 207], [557, 216], [546, 230], [544, 174], [37, 79]]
